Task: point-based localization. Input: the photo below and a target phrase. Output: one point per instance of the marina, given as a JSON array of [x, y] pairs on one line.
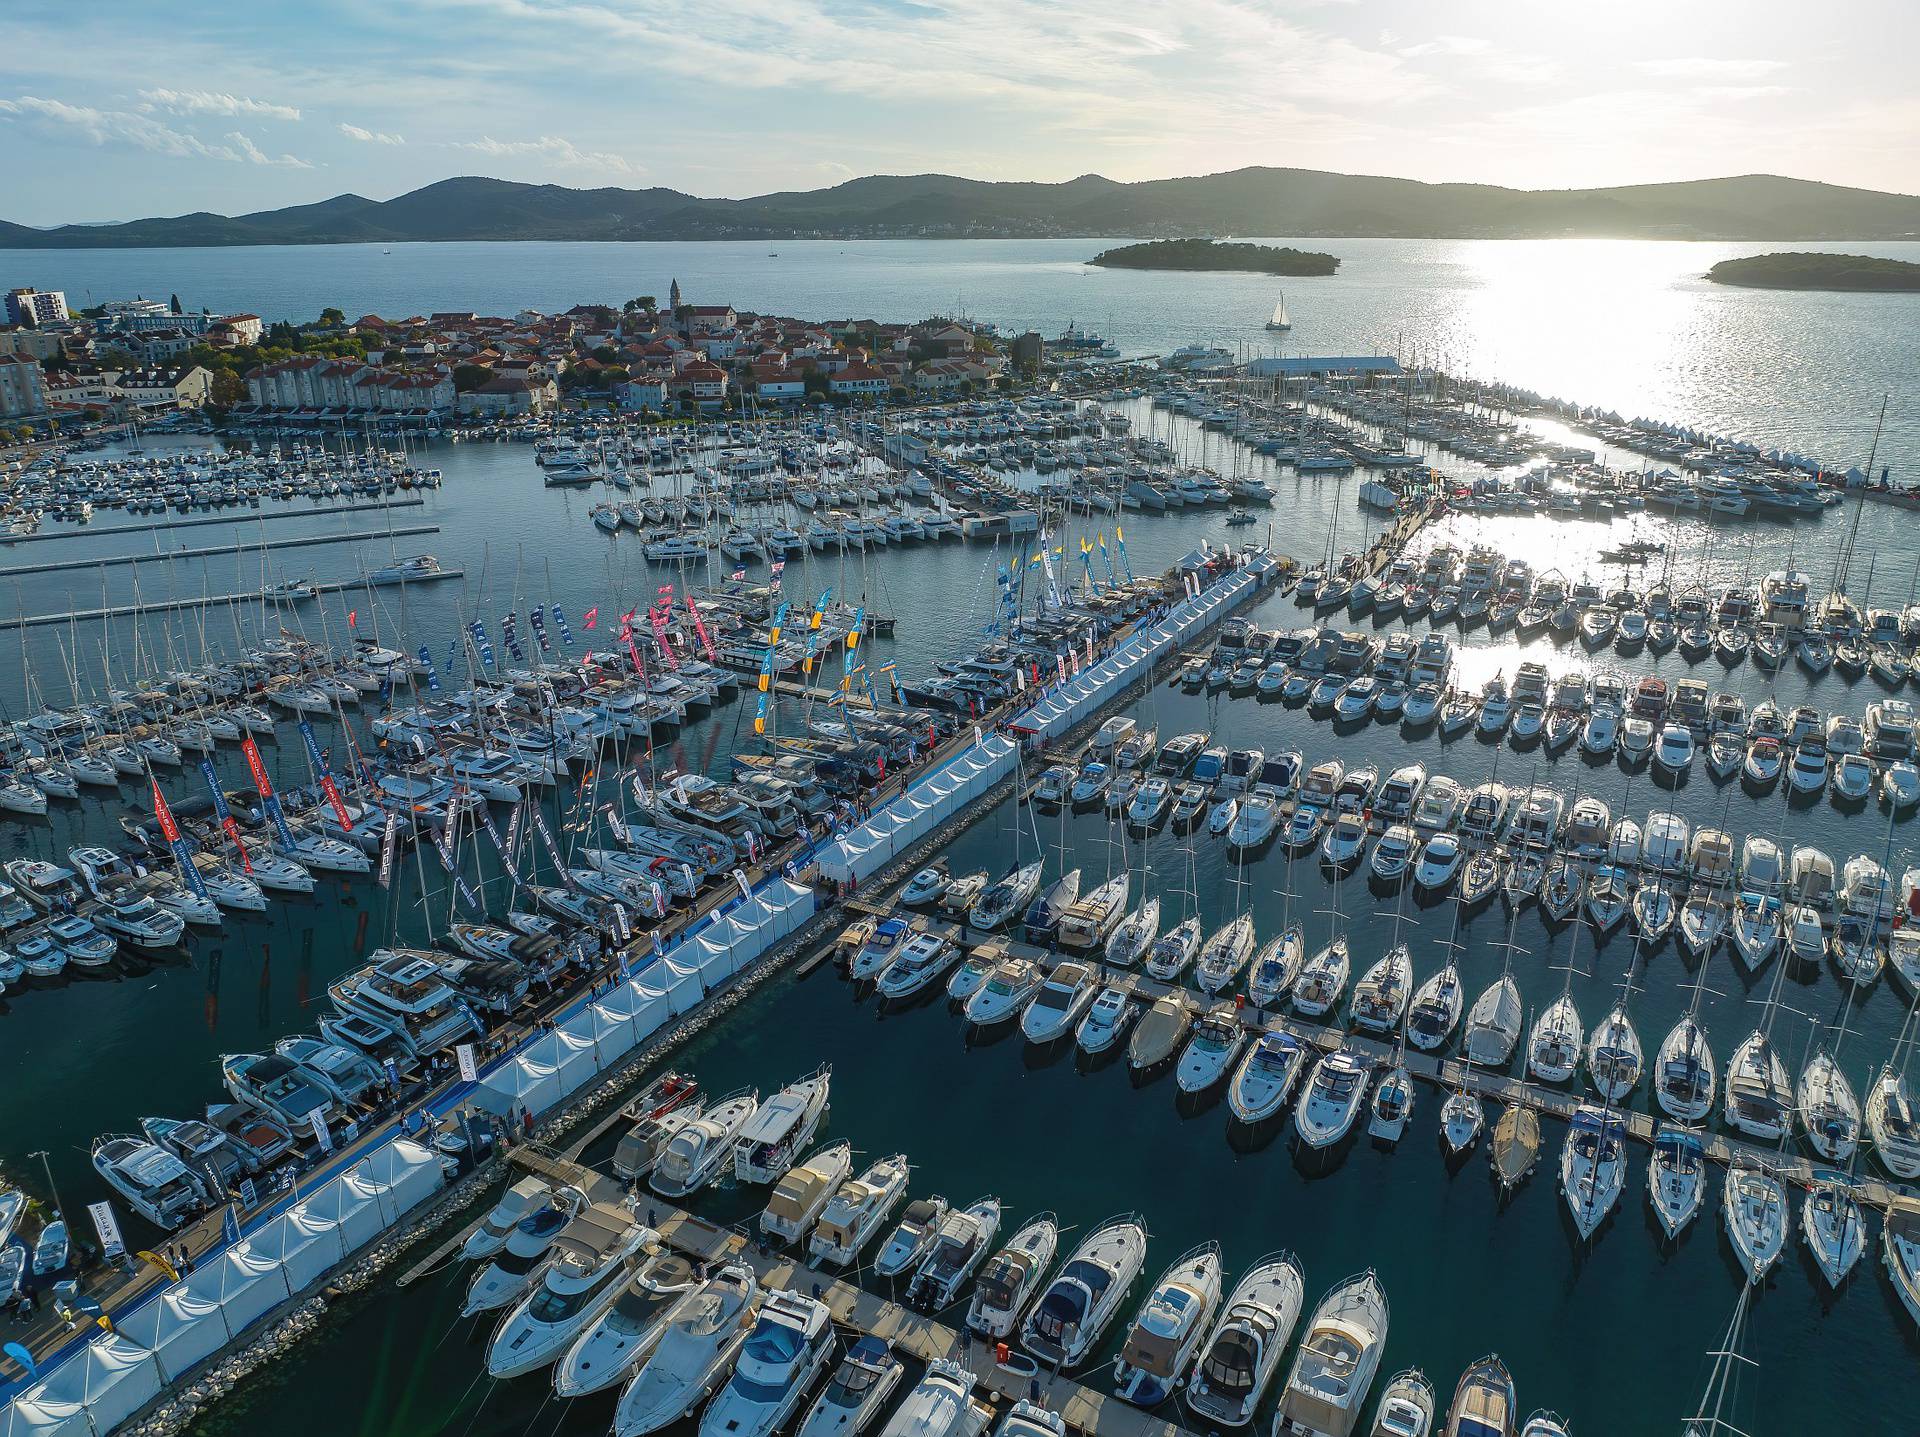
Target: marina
[[785, 802]]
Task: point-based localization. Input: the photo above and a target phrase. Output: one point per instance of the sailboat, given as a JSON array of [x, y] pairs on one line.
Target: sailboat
[[1280, 323]]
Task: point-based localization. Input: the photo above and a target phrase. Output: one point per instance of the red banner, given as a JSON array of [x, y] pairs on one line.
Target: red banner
[[169, 830], [332, 791], [256, 766], [233, 832]]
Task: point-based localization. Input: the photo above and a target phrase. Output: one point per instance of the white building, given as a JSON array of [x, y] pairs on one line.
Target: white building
[[36, 306]]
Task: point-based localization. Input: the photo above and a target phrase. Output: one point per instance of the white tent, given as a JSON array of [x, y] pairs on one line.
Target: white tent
[[712, 951], [179, 1327], [682, 979], [523, 1083], [302, 1246], [111, 1378], [404, 1174], [246, 1285], [571, 1057], [609, 1032], [641, 1006], [34, 1413], [346, 1207]]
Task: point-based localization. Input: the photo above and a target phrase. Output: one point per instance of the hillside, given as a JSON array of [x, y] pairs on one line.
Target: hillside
[[1257, 201]]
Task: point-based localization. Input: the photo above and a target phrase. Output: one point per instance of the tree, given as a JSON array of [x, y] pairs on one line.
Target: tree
[[333, 318], [173, 303], [644, 301], [228, 388], [469, 377], [606, 354]]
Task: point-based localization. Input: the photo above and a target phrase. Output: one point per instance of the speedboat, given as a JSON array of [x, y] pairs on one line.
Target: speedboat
[[1159, 1033], [1439, 864], [790, 1344], [1266, 1077], [1337, 1361], [1406, 1407], [1242, 1352], [1614, 1056], [1677, 1178], [586, 1270], [960, 1244], [1593, 1166], [942, 1404], [1105, 1021], [1168, 1329], [1483, 1402], [626, 1331], [1068, 1321], [1334, 1096], [802, 1193], [1010, 987], [155, 1182], [926, 885], [920, 962], [1214, 1046], [1011, 1276], [854, 1213], [907, 1245], [1755, 1208], [857, 1393], [1058, 1004], [701, 1151]]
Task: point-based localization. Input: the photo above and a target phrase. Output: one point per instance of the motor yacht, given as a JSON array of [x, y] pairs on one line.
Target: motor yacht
[[781, 1128], [922, 960], [801, 1195], [155, 1182], [790, 1344], [1335, 1093], [703, 1149], [1337, 1361], [1105, 1021], [1067, 1323], [960, 1244], [1214, 1046], [1169, 1328], [515, 1267], [586, 1270], [1241, 1353], [1012, 1276], [1407, 1406], [908, 1244], [857, 1210], [857, 1393], [871, 959], [1009, 988]]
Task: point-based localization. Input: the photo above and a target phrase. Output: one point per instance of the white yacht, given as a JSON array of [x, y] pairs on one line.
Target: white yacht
[[1011, 1276], [1435, 1010], [1900, 1250], [506, 1278], [791, 1343], [1169, 1328], [1242, 1351], [1832, 1226], [1008, 989], [1759, 1099], [906, 1246], [497, 1226], [857, 1393], [1173, 950], [587, 1269], [1266, 1077], [700, 1151], [1380, 997], [692, 1356], [1755, 1207], [781, 1128], [1224, 954], [1106, 1021], [627, 1330], [802, 1193], [1683, 1072], [1593, 1166], [1334, 1095], [921, 961], [155, 1182], [960, 1244], [1677, 1178], [1068, 1321], [1059, 1003], [855, 1213], [1493, 1024], [1558, 1038], [1828, 1110], [941, 1405], [1213, 1047], [1316, 992], [1271, 974], [1134, 935], [1337, 1361]]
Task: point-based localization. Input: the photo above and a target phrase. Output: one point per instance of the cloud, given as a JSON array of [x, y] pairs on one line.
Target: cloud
[[1702, 67], [208, 102], [140, 132], [370, 137], [553, 148], [254, 155]]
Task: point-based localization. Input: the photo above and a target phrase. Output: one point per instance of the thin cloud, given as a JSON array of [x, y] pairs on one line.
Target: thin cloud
[[254, 155], [1705, 67], [137, 131], [370, 137], [210, 102], [552, 148]]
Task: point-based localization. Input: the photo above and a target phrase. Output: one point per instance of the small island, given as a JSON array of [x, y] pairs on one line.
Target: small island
[[1205, 254], [1802, 270]]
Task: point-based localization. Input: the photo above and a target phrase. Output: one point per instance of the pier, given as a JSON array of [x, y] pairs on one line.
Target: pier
[[250, 517], [204, 601], [164, 555], [912, 1334]]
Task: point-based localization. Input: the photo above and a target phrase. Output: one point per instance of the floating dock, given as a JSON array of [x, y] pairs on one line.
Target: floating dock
[[302, 541], [251, 516], [204, 601]]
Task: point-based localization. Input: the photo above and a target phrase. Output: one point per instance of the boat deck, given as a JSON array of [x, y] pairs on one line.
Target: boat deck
[[913, 1334]]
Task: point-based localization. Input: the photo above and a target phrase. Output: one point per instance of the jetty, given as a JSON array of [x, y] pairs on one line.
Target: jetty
[[855, 1309], [87, 531], [204, 601], [301, 541]]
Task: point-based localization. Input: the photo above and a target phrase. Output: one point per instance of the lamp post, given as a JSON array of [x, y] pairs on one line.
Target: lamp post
[[47, 1163]]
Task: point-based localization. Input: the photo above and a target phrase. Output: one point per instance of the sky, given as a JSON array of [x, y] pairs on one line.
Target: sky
[[114, 110]]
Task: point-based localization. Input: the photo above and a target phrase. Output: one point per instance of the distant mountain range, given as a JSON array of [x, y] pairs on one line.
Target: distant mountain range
[[1267, 202]]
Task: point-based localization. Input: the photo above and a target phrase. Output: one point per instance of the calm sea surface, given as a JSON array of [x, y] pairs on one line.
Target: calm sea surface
[[1610, 1334]]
